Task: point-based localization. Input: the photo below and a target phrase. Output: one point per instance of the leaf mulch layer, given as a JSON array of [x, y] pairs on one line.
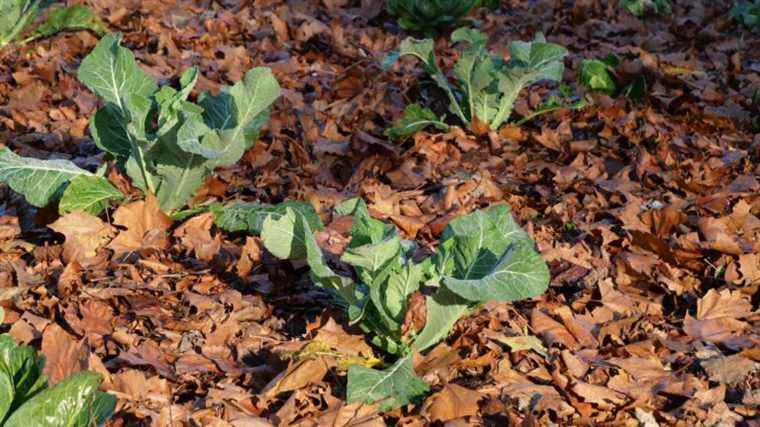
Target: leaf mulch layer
[[646, 211]]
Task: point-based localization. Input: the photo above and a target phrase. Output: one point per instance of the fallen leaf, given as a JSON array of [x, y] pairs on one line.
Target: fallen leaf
[[452, 402], [145, 225], [65, 356], [551, 330], [298, 375], [84, 233], [600, 395], [195, 234]]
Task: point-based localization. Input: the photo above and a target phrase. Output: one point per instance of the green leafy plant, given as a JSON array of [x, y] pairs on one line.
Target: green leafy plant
[[640, 7], [429, 16], [596, 76], [165, 143], [415, 118], [249, 216], [26, 400], [487, 87], [747, 13], [482, 256], [17, 15]]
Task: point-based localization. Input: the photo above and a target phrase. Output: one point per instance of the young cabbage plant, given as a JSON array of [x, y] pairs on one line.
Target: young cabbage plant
[[17, 15], [26, 400], [166, 144], [429, 16], [481, 257], [486, 86]]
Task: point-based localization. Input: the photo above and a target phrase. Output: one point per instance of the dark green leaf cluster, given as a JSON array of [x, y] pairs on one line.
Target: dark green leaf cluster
[[428, 16], [747, 13], [26, 400]]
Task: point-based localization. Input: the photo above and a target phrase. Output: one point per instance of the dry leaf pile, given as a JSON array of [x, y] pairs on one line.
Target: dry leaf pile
[[648, 214]]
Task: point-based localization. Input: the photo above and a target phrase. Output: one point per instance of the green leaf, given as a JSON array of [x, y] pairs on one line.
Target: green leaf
[[488, 87], [520, 273], [285, 237], [111, 71], [75, 17], [596, 76], [243, 216], [15, 16], [351, 207], [429, 15], [108, 128], [88, 193], [238, 113], [487, 256], [72, 402], [100, 411], [414, 119], [443, 309], [423, 50], [393, 387], [471, 244], [21, 366], [747, 13], [39, 181], [475, 70], [401, 283], [530, 62], [640, 7], [188, 153], [373, 257], [178, 174], [6, 394]]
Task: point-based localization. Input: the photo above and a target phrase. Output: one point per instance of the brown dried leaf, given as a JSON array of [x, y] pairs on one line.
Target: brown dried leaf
[[85, 234], [195, 234], [145, 224], [452, 402], [65, 356], [298, 375]]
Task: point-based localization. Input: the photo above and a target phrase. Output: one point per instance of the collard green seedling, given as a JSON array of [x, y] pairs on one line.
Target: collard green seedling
[[641, 7], [428, 16], [26, 400], [487, 87], [747, 13], [165, 143], [17, 15], [482, 256]]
